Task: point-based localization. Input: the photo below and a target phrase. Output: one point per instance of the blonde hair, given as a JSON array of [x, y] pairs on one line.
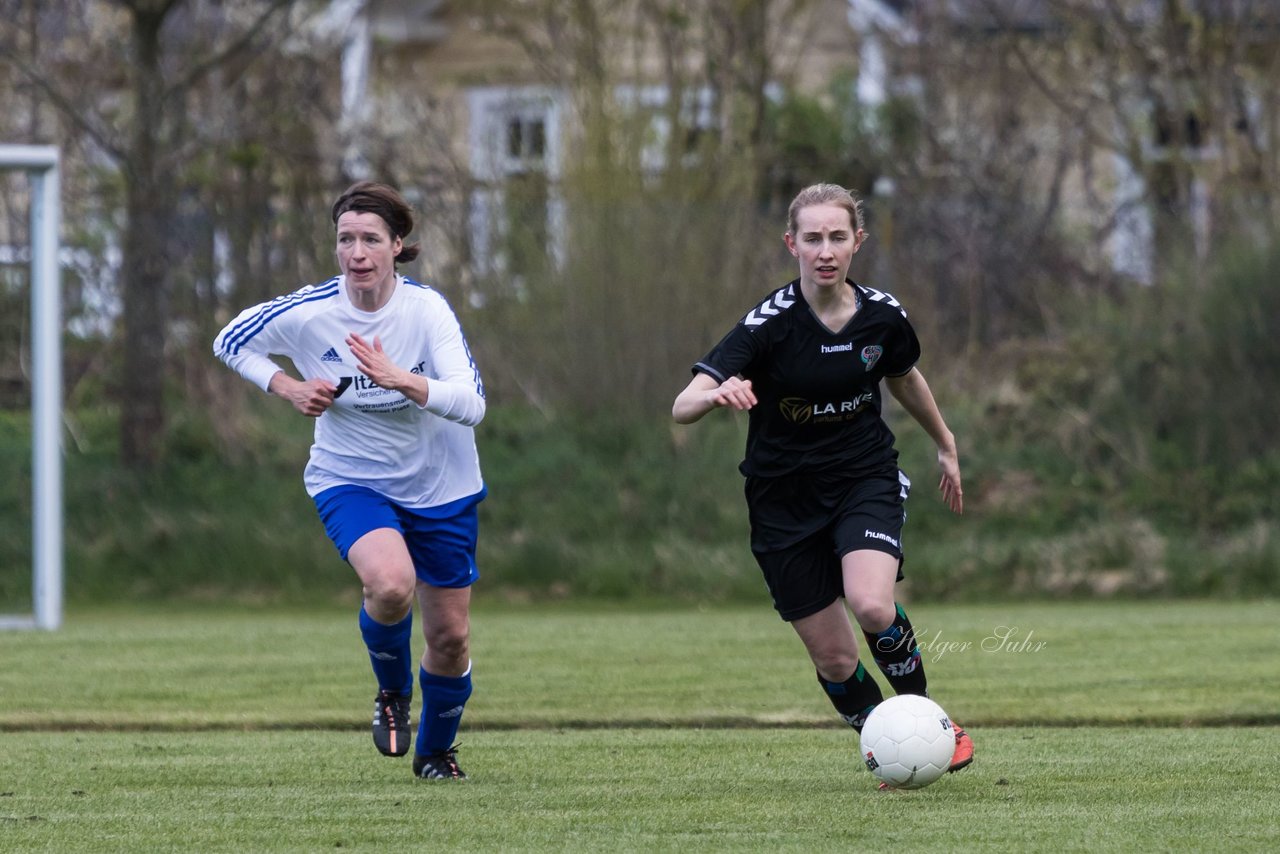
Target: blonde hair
[[826, 194]]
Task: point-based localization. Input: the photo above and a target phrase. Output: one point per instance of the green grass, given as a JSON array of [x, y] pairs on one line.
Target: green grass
[[1134, 726], [1032, 789], [1162, 664]]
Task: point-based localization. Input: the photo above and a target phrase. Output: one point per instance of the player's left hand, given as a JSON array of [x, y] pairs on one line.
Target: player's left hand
[[949, 462], [374, 363]]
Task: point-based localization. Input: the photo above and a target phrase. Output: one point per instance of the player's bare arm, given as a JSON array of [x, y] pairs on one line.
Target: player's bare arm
[[310, 397], [377, 366], [704, 394], [912, 391]]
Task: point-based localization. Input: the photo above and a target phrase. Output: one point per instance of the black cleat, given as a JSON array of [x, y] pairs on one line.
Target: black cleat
[[391, 733], [441, 765]]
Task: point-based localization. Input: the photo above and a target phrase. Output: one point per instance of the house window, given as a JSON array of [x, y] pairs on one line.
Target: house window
[[1180, 141], [1166, 205], [516, 209], [696, 122], [526, 140], [1171, 130]]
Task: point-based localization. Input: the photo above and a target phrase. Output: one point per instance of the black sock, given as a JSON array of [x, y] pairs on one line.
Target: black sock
[[898, 656], [855, 697]]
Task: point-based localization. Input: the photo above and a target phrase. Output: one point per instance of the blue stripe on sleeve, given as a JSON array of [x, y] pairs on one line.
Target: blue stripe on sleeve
[[465, 346], [474, 369], [243, 332]]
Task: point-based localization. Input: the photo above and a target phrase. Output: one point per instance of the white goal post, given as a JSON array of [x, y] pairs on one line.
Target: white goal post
[[40, 162]]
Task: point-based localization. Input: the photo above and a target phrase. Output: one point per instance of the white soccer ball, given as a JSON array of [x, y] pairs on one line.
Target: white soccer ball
[[908, 741]]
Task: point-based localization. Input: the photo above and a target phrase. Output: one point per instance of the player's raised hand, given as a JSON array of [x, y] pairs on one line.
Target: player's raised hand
[[734, 393], [374, 363]]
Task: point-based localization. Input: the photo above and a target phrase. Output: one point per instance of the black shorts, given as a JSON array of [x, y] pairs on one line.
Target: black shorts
[[802, 525]]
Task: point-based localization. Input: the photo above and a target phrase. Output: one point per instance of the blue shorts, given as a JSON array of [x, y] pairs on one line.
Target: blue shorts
[[441, 540]]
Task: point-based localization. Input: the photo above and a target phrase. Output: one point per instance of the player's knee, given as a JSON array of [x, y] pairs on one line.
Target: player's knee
[[873, 616], [389, 594], [836, 665], [449, 643]]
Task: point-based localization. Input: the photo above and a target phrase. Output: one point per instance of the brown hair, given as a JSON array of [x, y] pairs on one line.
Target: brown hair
[[826, 194], [386, 202]]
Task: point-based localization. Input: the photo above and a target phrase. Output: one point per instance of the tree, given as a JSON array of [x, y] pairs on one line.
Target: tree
[[67, 56], [1176, 93], [1068, 146], [667, 155]]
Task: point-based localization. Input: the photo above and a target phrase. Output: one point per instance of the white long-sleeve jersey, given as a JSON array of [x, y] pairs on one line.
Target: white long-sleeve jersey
[[374, 437]]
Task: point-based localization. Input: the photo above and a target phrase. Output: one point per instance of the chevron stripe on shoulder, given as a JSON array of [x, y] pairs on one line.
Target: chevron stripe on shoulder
[[776, 303], [884, 297]]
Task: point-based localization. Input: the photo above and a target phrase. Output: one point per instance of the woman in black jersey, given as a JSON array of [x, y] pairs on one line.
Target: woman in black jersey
[[824, 492]]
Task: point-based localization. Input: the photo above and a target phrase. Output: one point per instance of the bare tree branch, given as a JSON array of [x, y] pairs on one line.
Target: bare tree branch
[[1081, 114], [70, 110], [220, 58]]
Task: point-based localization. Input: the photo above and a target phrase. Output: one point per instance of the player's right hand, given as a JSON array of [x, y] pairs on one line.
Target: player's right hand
[[734, 393], [311, 397]]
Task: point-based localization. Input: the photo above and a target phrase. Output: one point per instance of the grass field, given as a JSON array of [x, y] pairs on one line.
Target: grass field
[[1099, 726]]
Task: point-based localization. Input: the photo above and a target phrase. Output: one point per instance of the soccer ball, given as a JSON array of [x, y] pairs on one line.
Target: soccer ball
[[908, 741]]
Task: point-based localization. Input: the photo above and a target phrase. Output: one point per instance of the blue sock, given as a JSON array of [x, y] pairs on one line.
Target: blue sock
[[389, 652], [443, 699]]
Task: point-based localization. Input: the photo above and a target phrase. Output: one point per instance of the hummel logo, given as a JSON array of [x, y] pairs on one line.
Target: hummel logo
[[877, 535], [331, 355]]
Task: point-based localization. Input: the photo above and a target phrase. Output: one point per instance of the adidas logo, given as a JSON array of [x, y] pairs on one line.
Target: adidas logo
[[331, 355]]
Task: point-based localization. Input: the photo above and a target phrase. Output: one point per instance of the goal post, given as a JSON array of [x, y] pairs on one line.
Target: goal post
[[40, 162]]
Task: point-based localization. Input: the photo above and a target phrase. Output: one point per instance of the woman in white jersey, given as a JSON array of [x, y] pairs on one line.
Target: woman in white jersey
[[824, 492], [387, 374]]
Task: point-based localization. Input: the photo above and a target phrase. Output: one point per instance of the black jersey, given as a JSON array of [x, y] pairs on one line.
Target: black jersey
[[817, 391]]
